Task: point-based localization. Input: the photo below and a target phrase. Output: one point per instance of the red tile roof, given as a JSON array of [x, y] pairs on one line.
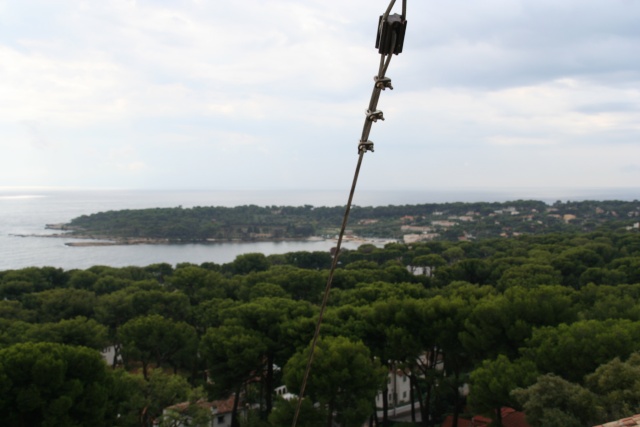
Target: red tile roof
[[513, 418], [223, 406], [462, 422], [632, 421], [510, 418]]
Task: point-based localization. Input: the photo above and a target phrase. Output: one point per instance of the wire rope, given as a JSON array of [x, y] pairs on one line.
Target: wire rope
[[372, 115]]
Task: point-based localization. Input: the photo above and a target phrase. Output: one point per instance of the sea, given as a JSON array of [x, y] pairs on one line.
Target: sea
[[24, 241]]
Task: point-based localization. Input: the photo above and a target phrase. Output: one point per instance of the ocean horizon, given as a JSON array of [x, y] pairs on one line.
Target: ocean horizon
[[334, 197]]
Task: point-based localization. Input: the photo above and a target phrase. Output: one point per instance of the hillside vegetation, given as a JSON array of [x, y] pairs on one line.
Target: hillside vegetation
[[448, 221]]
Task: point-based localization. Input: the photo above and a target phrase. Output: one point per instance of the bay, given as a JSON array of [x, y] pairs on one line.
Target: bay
[[26, 211]]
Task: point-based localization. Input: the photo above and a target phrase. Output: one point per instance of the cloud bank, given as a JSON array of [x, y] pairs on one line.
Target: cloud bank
[[271, 95]]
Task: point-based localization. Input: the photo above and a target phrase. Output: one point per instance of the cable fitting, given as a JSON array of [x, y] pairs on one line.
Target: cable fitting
[[382, 83], [365, 146], [391, 33], [375, 115]]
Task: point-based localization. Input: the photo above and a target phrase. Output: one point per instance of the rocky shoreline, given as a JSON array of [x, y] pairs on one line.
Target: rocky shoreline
[[147, 241], [89, 241]]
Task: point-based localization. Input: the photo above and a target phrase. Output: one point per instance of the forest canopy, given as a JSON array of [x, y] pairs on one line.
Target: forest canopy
[[548, 324]]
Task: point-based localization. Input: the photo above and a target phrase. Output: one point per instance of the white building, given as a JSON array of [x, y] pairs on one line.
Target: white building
[[398, 389]]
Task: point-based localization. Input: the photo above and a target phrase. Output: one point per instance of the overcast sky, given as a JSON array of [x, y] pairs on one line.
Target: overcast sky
[[270, 94]]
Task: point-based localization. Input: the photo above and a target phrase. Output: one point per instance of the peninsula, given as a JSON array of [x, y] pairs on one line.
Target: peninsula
[[407, 223]]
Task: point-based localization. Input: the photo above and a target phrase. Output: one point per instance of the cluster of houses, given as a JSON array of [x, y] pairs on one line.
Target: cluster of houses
[[399, 409], [413, 230], [398, 389], [221, 414]]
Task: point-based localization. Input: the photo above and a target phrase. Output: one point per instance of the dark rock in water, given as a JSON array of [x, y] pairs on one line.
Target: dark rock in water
[[57, 227]]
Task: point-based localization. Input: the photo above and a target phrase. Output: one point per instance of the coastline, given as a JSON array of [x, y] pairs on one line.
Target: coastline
[[126, 242], [93, 241]]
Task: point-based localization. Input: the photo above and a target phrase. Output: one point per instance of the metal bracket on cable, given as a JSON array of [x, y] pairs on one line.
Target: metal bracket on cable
[[374, 116], [382, 82], [365, 146]]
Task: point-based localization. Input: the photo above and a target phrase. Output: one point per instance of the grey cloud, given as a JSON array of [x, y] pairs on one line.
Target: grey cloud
[[608, 107], [502, 44], [633, 169]]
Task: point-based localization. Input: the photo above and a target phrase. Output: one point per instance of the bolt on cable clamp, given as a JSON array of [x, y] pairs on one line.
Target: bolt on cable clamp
[[364, 146], [382, 83], [374, 116]]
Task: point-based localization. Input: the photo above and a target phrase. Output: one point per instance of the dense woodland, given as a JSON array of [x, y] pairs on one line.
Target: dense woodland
[[549, 324], [446, 221]]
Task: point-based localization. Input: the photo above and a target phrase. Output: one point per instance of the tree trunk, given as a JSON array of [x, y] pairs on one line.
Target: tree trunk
[[423, 410], [412, 398], [456, 398], [499, 417], [456, 411], [116, 353], [269, 385], [234, 412], [427, 406], [375, 417], [143, 417], [385, 406]]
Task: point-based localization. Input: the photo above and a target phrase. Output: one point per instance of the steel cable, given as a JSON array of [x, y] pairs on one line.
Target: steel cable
[[372, 115]]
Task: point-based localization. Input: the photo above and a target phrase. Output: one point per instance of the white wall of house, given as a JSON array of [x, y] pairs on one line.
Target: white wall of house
[[221, 420], [398, 390]]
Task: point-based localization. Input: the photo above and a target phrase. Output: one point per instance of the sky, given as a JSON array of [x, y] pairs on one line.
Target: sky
[[270, 95]]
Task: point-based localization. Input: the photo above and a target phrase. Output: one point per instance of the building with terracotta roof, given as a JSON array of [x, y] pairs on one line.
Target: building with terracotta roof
[[220, 412]]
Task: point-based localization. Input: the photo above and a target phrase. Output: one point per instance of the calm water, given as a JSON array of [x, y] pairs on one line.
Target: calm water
[[27, 212]]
